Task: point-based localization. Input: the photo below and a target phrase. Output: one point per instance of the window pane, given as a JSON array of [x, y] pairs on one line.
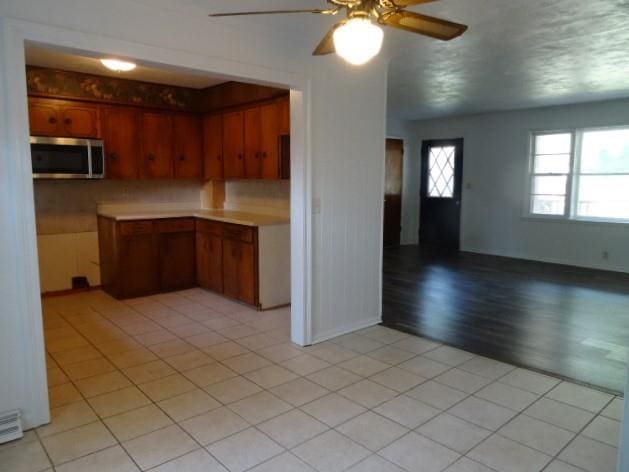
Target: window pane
[[553, 143], [605, 152], [553, 185], [604, 196], [547, 205], [441, 172], [552, 164]]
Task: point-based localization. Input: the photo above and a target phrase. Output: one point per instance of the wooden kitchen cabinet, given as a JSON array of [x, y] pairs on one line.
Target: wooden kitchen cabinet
[[129, 257], [253, 154], [209, 246], [269, 141], [121, 134], [246, 263], [213, 147], [61, 118], [177, 260], [233, 145], [239, 271], [157, 146], [187, 135], [284, 113]]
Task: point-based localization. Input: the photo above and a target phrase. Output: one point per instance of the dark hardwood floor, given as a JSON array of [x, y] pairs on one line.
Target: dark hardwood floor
[[568, 321]]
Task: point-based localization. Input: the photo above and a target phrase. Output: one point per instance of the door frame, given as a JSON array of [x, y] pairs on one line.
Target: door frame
[[17, 182], [423, 178]]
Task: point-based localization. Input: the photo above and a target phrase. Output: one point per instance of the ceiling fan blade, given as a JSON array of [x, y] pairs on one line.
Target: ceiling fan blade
[[276, 12], [326, 46], [422, 24]]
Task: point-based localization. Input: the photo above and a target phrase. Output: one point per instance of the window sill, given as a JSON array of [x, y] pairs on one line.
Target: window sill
[[580, 221]]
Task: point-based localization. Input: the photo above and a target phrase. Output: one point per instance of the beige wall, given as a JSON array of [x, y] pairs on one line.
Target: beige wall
[[258, 196], [64, 206]]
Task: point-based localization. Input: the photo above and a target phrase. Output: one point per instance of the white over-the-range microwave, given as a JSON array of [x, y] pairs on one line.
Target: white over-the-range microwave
[[67, 158]]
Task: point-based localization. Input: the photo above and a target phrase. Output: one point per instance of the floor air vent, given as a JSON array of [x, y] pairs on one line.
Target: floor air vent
[[10, 426]]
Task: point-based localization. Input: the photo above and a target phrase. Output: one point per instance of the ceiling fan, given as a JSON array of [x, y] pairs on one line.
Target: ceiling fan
[[356, 38]]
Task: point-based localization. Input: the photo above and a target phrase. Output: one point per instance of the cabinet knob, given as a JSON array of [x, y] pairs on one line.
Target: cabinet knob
[[68, 121], [113, 156], [182, 158], [257, 155], [52, 120], [219, 157], [151, 157], [240, 156], [264, 155]]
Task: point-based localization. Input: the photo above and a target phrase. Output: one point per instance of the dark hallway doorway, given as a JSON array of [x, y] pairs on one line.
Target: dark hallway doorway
[[394, 164]]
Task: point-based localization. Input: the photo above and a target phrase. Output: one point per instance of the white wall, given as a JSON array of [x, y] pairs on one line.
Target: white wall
[[495, 165], [345, 138]]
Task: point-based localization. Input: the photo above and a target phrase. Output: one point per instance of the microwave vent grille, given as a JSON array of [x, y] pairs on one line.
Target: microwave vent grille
[[10, 426]]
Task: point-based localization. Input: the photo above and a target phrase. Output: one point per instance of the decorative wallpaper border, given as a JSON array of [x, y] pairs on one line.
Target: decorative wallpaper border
[[55, 83]]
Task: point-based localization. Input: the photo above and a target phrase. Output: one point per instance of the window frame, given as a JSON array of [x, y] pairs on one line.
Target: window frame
[[573, 176]]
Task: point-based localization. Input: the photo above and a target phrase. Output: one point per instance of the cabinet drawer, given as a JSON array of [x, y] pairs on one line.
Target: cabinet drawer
[[132, 228], [238, 233], [176, 225], [212, 227]]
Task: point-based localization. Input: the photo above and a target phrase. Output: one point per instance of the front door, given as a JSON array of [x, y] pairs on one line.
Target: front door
[[393, 192], [441, 180]]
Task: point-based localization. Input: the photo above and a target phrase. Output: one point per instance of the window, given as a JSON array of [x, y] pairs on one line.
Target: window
[[581, 175], [441, 171]]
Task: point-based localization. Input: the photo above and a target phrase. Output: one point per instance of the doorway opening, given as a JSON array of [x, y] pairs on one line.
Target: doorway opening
[[18, 131], [394, 168]]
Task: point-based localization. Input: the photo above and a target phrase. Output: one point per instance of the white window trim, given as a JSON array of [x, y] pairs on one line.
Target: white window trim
[[572, 186]]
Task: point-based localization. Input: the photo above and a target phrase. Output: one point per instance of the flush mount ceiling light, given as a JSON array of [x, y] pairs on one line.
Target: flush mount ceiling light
[[117, 65], [357, 39]]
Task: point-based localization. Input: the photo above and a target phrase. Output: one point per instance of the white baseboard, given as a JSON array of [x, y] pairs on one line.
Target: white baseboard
[[550, 260], [346, 329]]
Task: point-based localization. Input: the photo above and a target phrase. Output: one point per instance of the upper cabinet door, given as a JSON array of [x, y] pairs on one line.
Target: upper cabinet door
[[121, 134], [213, 147], [157, 146], [81, 121], [187, 135], [270, 118], [253, 150], [284, 108], [44, 118], [233, 145]]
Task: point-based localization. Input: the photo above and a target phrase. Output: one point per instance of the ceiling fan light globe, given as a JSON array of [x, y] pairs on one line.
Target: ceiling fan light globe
[[358, 40]]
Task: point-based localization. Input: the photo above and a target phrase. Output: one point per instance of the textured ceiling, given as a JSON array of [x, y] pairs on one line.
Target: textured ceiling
[[57, 59], [516, 54]]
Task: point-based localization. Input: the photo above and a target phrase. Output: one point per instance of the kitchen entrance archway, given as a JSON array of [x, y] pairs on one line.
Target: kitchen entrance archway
[[16, 34]]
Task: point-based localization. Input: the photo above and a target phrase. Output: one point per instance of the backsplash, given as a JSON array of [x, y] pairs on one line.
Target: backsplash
[[258, 196], [63, 207]]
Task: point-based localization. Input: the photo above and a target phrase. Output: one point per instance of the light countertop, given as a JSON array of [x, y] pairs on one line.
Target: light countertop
[[226, 216]]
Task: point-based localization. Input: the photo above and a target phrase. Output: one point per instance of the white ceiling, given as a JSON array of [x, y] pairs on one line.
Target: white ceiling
[[516, 53], [57, 59]]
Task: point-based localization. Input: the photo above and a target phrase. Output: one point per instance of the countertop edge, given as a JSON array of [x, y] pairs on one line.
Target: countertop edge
[[194, 214]]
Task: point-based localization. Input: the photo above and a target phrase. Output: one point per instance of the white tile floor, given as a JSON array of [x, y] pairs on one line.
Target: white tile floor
[[192, 382]]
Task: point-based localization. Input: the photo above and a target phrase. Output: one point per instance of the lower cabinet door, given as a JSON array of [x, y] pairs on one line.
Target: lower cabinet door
[[210, 261], [231, 256], [247, 274], [177, 260], [138, 266]]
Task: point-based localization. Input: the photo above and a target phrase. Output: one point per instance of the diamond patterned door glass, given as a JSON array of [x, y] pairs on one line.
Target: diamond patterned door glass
[[441, 172]]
